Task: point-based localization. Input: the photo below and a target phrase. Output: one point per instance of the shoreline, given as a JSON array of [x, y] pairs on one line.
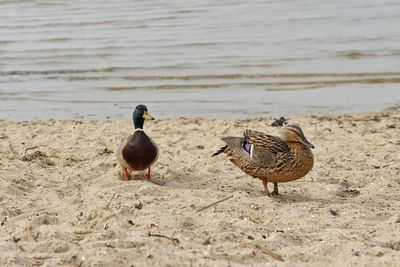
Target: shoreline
[[62, 201], [267, 116], [221, 103]]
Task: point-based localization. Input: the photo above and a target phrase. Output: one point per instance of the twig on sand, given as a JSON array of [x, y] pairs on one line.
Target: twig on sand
[[12, 150], [109, 202], [263, 250], [36, 236], [42, 257], [254, 220], [215, 203], [83, 232], [173, 239]]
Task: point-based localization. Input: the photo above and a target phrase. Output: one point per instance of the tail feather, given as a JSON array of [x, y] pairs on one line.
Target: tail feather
[[219, 151]]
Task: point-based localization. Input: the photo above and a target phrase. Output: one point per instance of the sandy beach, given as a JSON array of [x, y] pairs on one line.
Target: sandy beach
[[63, 201]]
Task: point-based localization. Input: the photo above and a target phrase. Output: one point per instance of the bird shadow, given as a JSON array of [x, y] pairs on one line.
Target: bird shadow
[[292, 197], [185, 180], [299, 197], [141, 176], [177, 179]]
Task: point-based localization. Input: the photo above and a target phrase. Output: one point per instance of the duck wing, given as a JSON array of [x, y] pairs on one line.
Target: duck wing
[[270, 143], [256, 148]]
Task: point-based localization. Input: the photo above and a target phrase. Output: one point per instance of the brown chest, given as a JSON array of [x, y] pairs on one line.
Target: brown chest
[[139, 151]]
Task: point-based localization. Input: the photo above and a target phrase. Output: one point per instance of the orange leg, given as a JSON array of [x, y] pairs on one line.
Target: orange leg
[[126, 174], [265, 183], [148, 175]]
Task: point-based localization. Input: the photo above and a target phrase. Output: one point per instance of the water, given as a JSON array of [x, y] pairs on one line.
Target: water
[[217, 59]]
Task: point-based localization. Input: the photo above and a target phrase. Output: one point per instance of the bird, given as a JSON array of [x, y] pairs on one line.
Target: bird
[[271, 158], [138, 152]]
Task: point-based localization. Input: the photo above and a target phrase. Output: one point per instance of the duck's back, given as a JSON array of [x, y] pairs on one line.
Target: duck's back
[[292, 161], [139, 151]]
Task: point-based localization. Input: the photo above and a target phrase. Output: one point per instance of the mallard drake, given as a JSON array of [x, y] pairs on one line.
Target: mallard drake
[[271, 158], [138, 152]]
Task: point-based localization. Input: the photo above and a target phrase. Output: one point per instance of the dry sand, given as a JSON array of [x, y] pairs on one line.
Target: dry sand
[[63, 202]]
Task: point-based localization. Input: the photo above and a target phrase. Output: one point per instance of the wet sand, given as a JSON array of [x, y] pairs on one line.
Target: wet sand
[[63, 202]]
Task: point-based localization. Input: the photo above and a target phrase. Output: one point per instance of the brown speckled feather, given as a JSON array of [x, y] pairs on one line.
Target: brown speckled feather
[[271, 158], [268, 149]]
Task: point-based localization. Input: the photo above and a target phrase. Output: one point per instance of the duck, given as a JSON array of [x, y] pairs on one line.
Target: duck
[[271, 159], [138, 152]]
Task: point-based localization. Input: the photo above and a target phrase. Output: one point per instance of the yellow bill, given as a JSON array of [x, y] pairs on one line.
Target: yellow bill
[[147, 116]]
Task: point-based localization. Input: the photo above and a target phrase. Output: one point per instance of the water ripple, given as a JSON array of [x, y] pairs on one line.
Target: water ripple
[[258, 54]]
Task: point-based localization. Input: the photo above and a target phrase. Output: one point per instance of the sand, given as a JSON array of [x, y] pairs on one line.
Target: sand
[[63, 201]]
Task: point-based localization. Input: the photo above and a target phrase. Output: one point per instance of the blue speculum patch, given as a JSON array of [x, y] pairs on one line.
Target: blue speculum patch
[[246, 146]]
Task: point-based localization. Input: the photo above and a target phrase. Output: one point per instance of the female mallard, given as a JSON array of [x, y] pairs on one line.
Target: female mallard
[[270, 158], [138, 151]]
